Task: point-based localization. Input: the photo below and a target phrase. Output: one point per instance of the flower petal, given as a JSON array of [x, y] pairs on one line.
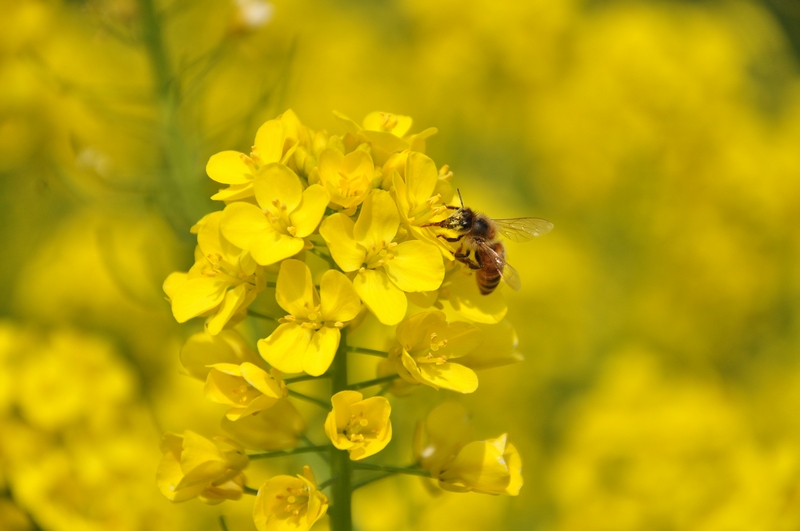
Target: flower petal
[[261, 380], [240, 223], [203, 349], [340, 302], [421, 177], [308, 214], [269, 142], [452, 376], [461, 338], [321, 350], [234, 298], [415, 332], [378, 221], [461, 293], [337, 231], [234, 192], [229, 167], [377, 121], [269, 246], [193, 296], [383, 298], [275, 186], [211, 241], [416, 266], [295, 291], [276, 428], [284, 347]]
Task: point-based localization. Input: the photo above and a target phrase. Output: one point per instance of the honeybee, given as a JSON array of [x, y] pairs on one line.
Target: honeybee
[[481, 248]]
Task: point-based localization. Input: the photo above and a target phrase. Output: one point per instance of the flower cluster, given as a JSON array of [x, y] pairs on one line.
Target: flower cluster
[[324, 242]]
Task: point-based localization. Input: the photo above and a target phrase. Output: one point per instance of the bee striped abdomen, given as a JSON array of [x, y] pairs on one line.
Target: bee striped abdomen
[[489, 275]]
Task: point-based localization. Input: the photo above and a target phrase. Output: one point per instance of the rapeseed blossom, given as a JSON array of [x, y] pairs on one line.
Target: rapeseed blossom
[[194, 466], [360, 426], [308, 338], [385, 269], [286, 502], [333, 231]]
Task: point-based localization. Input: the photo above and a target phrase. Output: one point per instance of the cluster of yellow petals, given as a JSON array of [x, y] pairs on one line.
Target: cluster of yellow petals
[[193, 466], [286, 502], [360, 202], [360, 426], [309, 336], [461, 464]]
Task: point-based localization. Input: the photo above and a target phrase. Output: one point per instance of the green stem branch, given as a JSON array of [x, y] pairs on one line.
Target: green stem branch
[[253, 313], [412, 470], [376, 381], [368, 351], [366, 482], [325, 257], [341, 465], [294, 451], [304, 378], [317, 401]]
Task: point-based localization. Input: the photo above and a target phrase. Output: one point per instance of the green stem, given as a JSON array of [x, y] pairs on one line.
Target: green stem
[[325, 457], [376, 381], [341, 465], [304, 378], [222, 523], [249, 490], [368, 351], [325, 257], [366, 482], [384, 389], [412, 470], [317, 401], [281, 453], [253, 313], [325, 483]]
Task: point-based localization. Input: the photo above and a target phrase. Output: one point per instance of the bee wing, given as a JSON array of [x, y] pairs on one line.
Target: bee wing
[[508, 273], [523, 229]]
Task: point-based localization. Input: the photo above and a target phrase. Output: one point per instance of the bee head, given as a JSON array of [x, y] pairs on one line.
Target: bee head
[[461, 221]]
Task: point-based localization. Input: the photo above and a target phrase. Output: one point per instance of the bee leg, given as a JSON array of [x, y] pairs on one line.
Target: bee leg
[[442, 236], [464, 259]]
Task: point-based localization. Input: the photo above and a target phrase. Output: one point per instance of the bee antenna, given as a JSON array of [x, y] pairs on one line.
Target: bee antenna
[[459, 197]]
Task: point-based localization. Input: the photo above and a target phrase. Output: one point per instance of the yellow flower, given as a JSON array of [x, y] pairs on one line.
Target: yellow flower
[[421, 194], [238, 170], [222, 283], [288, 503], [309, 144], [276, 428], [447, 427], [193, 466], [348, 178], [498, 348], [247, 388], [385, 133], [362, 427], [202, 350], [489, 467], [427, 343], [459, 293], [309, 336], [274, 230], [386, 269]]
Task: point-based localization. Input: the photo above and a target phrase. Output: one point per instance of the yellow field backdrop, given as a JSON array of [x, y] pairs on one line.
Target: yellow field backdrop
[[659, 320]]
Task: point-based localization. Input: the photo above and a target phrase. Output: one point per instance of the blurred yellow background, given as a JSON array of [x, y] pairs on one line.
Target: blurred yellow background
[[659, 320]]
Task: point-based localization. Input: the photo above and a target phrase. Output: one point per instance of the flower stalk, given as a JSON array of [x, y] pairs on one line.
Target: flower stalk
[[341, 465]]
